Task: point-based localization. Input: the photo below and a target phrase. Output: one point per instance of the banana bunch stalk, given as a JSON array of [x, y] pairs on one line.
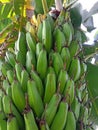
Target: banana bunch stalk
[[42, 77]]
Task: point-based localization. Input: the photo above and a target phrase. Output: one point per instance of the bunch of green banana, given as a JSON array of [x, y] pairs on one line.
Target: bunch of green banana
[[42, 76]]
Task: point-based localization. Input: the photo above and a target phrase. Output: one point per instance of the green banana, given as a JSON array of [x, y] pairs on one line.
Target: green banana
[[9, 107], [50, 70], [18, 70], [39, 32], [75, 69], [78, 93], [82, 110], [31, 42], [84, 96], [7, 88], [38, 81], [42, 63], [1, 105], [62, 79], [2, 93], [86, 116], [21, 48], [47, 35], [30, 61], [21, 58], [51, 21], [71, 27], [18, 96], [20, 44], [30, 123], [59, 39], [83, 68], [50, 87], [67, 32], [65, 54], [74, 48], [3, 123], [57, 62], [39, 47], [12, 123], [24, 79], [5, 67], [43, 125], [71, 122], [59, 120], [10, 58], [10, 76], [51, 108], [34, 98], [69, 91], [75, 107]]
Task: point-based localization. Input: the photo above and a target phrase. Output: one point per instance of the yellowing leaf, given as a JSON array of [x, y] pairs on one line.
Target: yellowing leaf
[[4, 1]]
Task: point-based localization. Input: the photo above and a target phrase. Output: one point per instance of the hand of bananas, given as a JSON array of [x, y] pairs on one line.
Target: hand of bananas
[[42, 78]]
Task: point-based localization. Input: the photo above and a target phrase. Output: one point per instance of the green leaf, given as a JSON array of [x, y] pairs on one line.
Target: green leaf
[[5, 10], [18, 6], [92, 84], [76, 17], [88, 49], [38, 5]]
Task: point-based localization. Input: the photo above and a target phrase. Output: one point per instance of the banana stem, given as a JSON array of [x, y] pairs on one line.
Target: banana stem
[[59, 5], [45, 7]]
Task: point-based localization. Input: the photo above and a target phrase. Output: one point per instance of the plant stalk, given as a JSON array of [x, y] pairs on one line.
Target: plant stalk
[[45, 6]]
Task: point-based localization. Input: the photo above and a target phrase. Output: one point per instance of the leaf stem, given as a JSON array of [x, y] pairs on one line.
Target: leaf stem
[[91, 55], [45, 7]]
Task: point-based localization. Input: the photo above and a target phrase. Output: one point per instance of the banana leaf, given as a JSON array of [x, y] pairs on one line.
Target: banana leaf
[[92, 85]]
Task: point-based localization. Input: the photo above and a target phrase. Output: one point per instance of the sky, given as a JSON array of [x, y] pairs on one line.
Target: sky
[[87, 4]]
